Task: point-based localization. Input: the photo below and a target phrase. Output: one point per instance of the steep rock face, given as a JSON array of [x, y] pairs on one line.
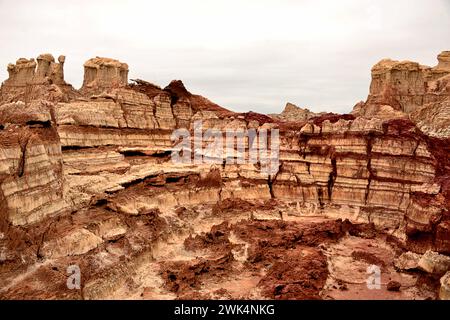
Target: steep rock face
[[30, 80], [31, 183], [365, 170], [369, 170], [45, 71], [100, 160], [433, 118], [410, 88], [104, 73], [444, 60]]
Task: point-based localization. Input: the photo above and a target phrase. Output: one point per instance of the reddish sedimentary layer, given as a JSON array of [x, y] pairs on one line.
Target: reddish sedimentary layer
[[86, 178]]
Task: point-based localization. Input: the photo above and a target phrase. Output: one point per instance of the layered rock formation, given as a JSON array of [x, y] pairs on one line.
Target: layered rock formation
[[27, 72], [104, 73], [293, 113], [87, 177], [40, 79], [405, 87]]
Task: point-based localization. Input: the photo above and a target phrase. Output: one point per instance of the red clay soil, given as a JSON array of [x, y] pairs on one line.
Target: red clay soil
[[367, 257], [215, 240], [286, 253], [261, 118], [150, 89], [183, 277], [177, 90], [300, 274], [27, 241], [231, 204], [212, 180], [283, 234], [332, 117]]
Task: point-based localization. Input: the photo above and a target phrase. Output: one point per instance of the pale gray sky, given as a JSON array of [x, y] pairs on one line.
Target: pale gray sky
[[244, 55]]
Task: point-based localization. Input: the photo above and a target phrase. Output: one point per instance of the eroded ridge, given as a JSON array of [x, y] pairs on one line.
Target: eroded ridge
[[87, 180]]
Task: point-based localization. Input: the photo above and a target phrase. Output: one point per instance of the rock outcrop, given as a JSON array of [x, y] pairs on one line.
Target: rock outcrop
[[293, 113], [444, 293], [40, 79], [31, 171], [434, 263], [104, 73], [408, 88], [27, 72], [88, 176]]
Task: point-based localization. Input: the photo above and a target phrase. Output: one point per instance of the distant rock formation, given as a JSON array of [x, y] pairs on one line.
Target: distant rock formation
[[31, 79], [293, 113], [25, 72], [444, 61], [104, 73], [402, 89], [86, 178]]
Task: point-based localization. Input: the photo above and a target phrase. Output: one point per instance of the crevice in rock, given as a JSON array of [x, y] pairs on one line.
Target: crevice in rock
[[302, 144], [157, 125], [173, 101], [41, 242], [123, 112], [39, 124], [132, 183], [23, 149], [369, 140], [220, 193], [270, 184], [332, 177], [270, 180], [162, 154], [320, 197], [133, 153], [69, 148], [173, 179], [99, 202]]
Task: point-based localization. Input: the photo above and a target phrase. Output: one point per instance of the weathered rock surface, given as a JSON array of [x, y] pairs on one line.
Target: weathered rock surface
[[40, 79], [293, 113], [87, 176], [400, 88], [104, 73], [444, 293], [435, 263], [28, 72]]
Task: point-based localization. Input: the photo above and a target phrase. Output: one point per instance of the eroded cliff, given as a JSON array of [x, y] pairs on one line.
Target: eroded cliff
[[405, 88], [87, 179]]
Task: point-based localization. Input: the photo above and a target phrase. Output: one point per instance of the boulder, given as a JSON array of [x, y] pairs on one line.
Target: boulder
[[434, 263], [407, 261], [444, 292]]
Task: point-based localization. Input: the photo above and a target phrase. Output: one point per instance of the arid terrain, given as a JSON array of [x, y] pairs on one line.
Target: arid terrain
[[87, 179]]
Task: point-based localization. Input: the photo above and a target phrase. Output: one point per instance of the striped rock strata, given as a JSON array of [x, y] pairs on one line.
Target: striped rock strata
[[88, 174]]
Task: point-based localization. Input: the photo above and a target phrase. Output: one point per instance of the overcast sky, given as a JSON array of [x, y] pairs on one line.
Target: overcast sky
[[244, 55]]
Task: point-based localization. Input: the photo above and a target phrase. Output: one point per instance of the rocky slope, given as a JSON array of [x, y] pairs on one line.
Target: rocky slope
[[87, 179]]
